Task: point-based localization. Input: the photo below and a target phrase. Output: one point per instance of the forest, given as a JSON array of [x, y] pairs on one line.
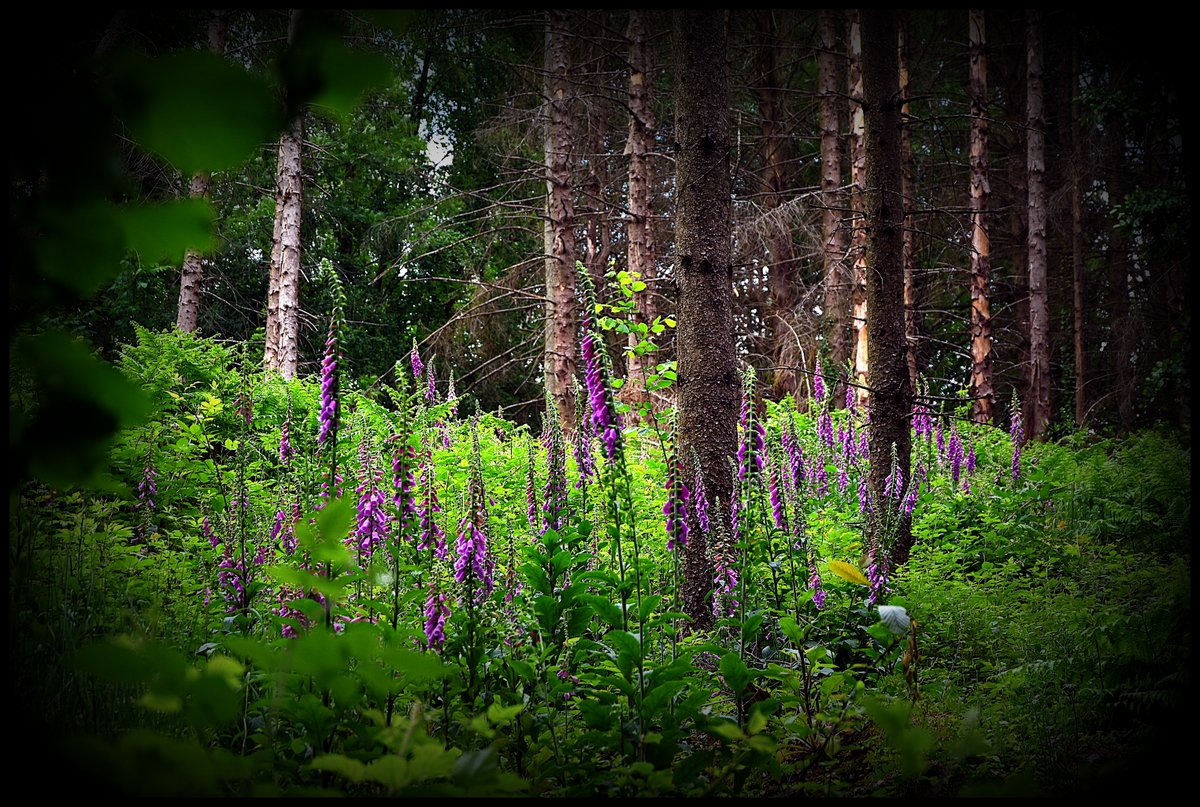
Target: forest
[[632, 403]]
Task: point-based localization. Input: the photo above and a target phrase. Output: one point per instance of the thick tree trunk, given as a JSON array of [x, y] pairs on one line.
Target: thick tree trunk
[[639, 232], [707, 373], [982, 390], [782, 270], [187, 317], [283, 297], [833, 234], [283, 290], [858, 244], [891, 395], [907, 188], [561, 308], [1039, 312]]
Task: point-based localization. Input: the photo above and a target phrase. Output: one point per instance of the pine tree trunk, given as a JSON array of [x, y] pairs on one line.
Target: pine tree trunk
[[191, 279], [782, 271], [1039, 313], [561, 309], [833, 233], [982, 390], [907, 188], [639, 232], [858, 245], [707, 373], [1117, 260], [891, 395], [283, 290]]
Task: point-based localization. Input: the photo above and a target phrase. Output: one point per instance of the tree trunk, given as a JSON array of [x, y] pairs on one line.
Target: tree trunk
[[283, 292], [782, 272], [907, 188], [858, 246], [707, 373], [191, 279], [891, 395], [1039, 313], [639, 232], [1077, 259], [561, 309], [832, 232], [982, 390]]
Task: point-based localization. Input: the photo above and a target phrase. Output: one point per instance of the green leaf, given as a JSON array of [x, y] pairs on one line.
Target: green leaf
[[895, 618], [750, 627], [323, 539], [344, 766], [163, 233], [726, 730], [637, 286], [847, 572], [603, 608], [307, 582], [81, 247], [736, 674], [195, 109], [503, 715]]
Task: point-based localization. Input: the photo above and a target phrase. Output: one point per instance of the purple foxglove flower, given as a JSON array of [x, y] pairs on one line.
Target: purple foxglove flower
[[818, 382], [604, 419], [914, 487], [954, 453], [940, 436], [329, 388], [877, 574], [436, 613], [554, 502], [701, 504], [814, 582], [725, 581], [843, 480], [431, 384], [285, 445], [148, 487], [971, 458], [207, 531], [404, 485], [371, 525], [825, 428], [432, 536], [820, 478], [864, 495], [418, 366], [675, 508], [777, 511], [1017, 432], [851, 398], [531, 499]]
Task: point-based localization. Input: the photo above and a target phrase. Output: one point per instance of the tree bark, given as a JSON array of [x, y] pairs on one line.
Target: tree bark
[[1039, 313], [639, 232], [707, 373], [833, 232], [561, 308], [982, 389], [782, 272], [283, 291], [1117, 260], [858, 246], [187, 317], [891, 395]]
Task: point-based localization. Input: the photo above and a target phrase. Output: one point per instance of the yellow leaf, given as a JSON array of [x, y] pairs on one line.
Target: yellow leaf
[[847, 571]]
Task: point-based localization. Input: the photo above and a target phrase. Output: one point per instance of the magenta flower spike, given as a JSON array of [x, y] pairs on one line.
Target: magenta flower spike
[[418, 366], [436, 612], [329, 387]]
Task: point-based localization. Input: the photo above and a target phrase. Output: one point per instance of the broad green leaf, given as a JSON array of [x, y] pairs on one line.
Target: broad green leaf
[[736, 674], [895, 617], [726, 730], [164, 232], [81, 247], [306, 582], [197, 110], [603, 608]]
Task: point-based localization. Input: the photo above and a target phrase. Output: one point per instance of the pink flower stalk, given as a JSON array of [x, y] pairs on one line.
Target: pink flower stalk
[[285, 445], [1017, 432], [432, 536], [818, 382], [954, 453], [940, 437], [604, 417], [531, 497], [431, 384], [404, 484], [877, 574], [675, 508], [436, 612], [851, 398], [701, 504], [329, 388], [725, 581], [825, 428], [864, 495], [371, 530], [473, 565], [148, 487], [554, 495], [814, 582], [206, 530], [418, 366], [777, 511]]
